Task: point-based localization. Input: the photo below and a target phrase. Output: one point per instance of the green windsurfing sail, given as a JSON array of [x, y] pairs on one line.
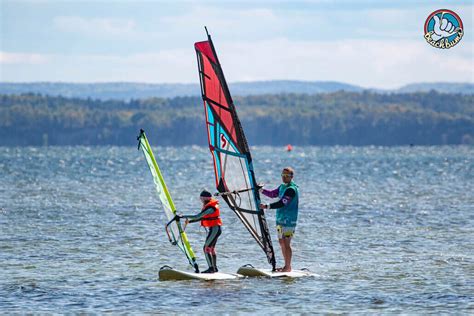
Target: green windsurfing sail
[[175, 231]]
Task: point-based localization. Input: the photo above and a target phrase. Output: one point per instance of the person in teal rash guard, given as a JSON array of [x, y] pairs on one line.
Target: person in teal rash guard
[[286, 214]]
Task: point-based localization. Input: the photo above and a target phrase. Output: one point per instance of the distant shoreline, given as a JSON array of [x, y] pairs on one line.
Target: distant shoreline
[[339, 118]]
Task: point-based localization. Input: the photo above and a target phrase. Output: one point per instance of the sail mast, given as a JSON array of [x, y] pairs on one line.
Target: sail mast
[[233, 166]]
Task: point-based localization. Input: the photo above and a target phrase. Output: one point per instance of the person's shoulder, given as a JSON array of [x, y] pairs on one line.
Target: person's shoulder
[[294, 185], [290, 191]]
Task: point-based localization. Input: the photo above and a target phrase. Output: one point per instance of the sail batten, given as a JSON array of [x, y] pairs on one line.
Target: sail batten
[[233, 166], [176, 234]]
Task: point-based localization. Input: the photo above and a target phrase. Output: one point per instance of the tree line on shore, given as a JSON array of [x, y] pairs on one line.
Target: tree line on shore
[[339, 118]]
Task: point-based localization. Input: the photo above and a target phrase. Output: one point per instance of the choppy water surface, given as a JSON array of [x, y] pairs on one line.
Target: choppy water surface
[[386, 229]]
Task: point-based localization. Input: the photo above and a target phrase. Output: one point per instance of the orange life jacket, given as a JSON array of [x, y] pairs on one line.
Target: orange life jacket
[[212, 219]]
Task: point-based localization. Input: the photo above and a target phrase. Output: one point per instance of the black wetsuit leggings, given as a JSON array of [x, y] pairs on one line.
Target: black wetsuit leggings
[[212, 236], [211, 240]]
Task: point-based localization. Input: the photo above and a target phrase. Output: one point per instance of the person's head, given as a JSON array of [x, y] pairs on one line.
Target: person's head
[[287, 174], [205, 196]]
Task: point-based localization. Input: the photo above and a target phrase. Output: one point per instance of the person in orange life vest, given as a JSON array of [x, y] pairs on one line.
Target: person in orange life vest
[[210, 219]]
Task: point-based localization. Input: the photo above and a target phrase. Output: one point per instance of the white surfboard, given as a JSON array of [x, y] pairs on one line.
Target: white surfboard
[[250, 271], [167, 273]]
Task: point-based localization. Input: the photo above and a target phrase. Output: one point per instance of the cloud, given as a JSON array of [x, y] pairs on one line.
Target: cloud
[[22, 58], [370, 63], [165, 66], [220, 18], [254, 44], [233, 23], [95, 26]]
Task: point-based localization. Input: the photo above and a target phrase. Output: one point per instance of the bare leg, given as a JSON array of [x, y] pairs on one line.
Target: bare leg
[[283, 252], [287, 253]]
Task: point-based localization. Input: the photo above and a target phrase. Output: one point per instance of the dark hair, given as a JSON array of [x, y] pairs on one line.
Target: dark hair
[[205, 193]]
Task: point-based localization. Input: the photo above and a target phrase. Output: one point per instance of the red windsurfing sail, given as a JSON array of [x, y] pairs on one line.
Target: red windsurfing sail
[[233, 168]]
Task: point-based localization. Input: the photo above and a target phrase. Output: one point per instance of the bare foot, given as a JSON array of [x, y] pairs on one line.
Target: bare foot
[[285, 269]]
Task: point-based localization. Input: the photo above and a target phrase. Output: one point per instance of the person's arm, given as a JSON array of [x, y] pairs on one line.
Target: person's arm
[[285, 200], [270, 193], [199, 216]]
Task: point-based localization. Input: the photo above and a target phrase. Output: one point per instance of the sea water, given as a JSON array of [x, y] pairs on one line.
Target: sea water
[[386, 230]]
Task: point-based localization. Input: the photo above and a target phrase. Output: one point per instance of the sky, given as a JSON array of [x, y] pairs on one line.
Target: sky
[[373, 44]]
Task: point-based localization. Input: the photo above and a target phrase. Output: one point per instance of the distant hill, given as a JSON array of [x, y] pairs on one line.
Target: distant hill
[[442, 87], [130, 90], [103, 91], [290, 86]]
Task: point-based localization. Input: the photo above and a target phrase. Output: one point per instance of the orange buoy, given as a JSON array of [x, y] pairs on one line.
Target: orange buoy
[[289, 147]]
